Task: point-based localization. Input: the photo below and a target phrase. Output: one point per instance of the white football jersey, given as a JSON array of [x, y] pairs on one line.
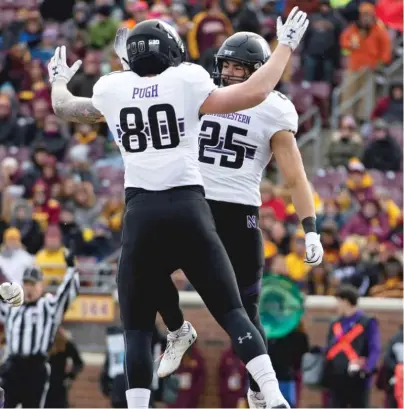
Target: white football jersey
[[234, 148], [155, 122]]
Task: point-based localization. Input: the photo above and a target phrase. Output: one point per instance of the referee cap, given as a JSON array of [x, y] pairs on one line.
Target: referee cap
[[32, 274]]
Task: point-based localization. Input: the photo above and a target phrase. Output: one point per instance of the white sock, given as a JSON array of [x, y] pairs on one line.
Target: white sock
[[182, 330], [263, 373], [138, 398]]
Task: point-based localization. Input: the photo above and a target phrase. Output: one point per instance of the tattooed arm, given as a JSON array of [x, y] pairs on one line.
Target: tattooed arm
[[71, 108]]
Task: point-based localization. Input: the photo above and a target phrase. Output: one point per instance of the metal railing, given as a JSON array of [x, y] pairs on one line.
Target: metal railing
[[340, 108], [395, 69], [99, 277], [313, 135]]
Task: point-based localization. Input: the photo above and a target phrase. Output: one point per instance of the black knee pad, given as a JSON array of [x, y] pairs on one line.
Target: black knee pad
[[138, 359]]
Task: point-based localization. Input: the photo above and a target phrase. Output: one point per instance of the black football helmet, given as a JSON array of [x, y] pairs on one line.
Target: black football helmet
[[153, 46], [249, 49]]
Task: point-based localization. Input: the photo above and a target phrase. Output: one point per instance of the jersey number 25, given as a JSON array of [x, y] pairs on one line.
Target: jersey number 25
[[225, 146]]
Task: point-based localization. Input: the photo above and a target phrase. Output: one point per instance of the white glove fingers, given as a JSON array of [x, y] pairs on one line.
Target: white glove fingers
[[298, 17], [279, 24], [75, 67], [305, 25], [63, 55], [292, 14]]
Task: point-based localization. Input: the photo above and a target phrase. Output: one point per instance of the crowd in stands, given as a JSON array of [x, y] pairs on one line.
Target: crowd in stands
[[61, 184]]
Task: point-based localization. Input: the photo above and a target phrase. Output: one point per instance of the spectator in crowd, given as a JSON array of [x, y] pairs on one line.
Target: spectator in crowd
[[53, 137], [83, 83], [102, 28], [136, 12], [391, 374], [192, 377], [391, 281], [369, 46], [86, 134], [278, 265], [318, 281], [351, 362], [346, 143], [30, 230], [369, 220], [113, 211], [331, 242], [297, 269], [87, 207], [321, 51], [45, 211], [81, 169], [280, 237], [393, 211], [50, 178], [390, 108], [99, 244], [78, 22], [66, 363], [33, 168], [331, 214], [206, 25], [351, 269], [207, 59], [33, 127], [383, 152], [390, 12], [51, 259], [232, 380], [10, 133], [14, 260], [271, 200], [359, 182], [72, 236]]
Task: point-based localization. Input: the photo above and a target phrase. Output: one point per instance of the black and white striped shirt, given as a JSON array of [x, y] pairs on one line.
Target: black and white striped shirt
[[31, 328]]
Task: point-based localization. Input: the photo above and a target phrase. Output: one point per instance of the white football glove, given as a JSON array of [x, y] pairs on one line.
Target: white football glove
[[314, 249], [291, 33], [58, 68], [120, 47], [12, 294]]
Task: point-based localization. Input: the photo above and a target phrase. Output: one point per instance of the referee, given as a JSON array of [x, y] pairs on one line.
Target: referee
[[30, 331]]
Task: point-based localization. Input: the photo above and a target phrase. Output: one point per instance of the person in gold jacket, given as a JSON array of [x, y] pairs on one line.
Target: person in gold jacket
[[51, 259]]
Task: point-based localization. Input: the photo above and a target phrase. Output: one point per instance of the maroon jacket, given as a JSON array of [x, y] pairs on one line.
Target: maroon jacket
[[232, 380], [191, 375]]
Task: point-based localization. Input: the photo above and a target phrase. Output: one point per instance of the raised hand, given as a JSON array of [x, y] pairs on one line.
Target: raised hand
[[291, 32], [58, 68]]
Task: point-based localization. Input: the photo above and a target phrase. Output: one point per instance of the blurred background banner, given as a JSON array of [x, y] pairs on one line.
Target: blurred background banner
[[281, 305], [92, 308]]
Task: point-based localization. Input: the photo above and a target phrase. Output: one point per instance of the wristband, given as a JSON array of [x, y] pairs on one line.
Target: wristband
[[309, 225]]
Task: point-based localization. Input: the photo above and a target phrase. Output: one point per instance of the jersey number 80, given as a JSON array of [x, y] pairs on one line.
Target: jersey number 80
[[139, 130]]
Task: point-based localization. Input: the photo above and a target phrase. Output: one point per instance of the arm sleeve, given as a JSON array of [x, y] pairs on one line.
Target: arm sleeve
[[65, 294], [281, 114]]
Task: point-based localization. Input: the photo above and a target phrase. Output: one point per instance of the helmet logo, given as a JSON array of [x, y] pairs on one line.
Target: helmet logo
[[228, 52]]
